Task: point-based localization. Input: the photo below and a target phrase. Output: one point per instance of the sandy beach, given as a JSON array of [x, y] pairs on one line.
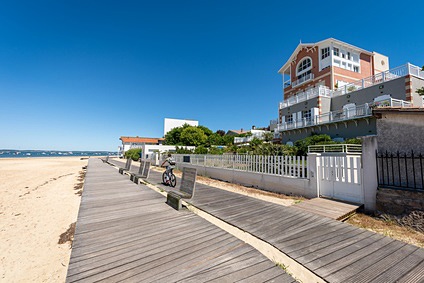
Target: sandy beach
[[38, 202]]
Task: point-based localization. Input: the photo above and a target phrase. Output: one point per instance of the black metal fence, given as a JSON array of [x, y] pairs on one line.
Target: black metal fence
[[400, 170]]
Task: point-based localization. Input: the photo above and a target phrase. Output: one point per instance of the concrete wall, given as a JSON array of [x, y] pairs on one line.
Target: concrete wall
[[396, 88], [401, 131], [416, 98], [363, 127], [301, 106], [271, 183]]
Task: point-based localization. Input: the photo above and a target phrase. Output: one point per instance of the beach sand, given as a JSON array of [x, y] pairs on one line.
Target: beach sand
[[38, 202]]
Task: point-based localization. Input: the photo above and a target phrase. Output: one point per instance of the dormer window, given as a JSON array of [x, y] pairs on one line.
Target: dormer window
[[304, 67]]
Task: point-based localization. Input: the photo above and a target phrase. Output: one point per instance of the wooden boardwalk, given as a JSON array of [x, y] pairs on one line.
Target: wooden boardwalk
[[328, 208], [127, 233], [335, 251]]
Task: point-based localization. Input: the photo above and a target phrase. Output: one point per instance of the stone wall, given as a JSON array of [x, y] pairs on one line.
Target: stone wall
[[398, 202]]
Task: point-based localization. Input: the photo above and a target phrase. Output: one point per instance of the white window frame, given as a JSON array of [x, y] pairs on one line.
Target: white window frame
[[299, 73], [307, 115], [289, 119]]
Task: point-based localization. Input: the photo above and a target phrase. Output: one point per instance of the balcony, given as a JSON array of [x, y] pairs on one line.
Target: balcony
[[351, 113], [308, 94], [303, 80], [386, 76], [389, 75]]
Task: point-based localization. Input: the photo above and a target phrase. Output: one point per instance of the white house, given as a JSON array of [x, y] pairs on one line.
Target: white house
[[175, 123]]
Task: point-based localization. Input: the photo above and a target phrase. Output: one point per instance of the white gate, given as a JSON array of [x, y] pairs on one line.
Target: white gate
[[340, 177]]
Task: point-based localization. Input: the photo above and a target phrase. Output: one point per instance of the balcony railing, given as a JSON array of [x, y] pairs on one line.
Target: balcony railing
[[308, 94], [356, 112], [386, 76], [389, 75], [303, 79]]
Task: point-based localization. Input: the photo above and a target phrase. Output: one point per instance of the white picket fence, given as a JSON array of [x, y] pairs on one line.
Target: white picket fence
[[289, 166]]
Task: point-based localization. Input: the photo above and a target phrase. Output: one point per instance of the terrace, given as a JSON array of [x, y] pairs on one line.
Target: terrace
[[389, 75], [350, 113]]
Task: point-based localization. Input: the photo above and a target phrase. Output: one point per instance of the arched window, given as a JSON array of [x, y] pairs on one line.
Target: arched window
[[304, 67]]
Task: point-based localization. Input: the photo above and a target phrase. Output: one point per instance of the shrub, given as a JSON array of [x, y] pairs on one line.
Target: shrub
[[133, 153]]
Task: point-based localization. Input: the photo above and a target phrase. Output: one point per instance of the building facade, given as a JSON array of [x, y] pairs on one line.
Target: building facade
[[169, 124], [137, 142], [331, 87]]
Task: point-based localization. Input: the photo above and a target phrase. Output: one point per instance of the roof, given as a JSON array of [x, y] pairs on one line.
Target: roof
[[236, 132], [140, 140], [328, 40]]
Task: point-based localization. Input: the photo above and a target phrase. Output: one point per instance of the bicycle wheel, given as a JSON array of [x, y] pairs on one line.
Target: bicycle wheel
[[164, 178], [173, 181]]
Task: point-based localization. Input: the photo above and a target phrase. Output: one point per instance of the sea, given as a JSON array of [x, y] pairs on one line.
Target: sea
[[12, 153]]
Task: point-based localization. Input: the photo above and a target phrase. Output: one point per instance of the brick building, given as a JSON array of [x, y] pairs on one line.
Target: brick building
[[330, 88]]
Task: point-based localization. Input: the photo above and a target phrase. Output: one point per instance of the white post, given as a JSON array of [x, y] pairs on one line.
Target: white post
[[369, 170]]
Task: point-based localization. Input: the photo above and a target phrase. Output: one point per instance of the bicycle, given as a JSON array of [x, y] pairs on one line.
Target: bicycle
[[168, 178]]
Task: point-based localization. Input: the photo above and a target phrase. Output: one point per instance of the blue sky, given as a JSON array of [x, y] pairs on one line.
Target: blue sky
[[77, 75]]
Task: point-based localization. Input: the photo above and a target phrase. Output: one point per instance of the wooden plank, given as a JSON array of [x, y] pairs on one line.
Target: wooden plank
[[125, 231], [328, 208], [348, 255], [369, 272], [325, 246]]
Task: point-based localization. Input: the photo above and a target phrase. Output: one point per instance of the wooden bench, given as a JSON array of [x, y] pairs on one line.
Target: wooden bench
[[186, 191], [127, 166], [143, 172], [106, 159]]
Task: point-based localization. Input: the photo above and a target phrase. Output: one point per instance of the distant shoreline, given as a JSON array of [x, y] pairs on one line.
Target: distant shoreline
[[8, 153]]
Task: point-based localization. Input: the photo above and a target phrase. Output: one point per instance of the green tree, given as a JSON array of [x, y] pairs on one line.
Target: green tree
[[201, 150], [206, 130], [133, 153], [302, 145], [228, 140], [193, 136], [183, 150], [215, 150], [268, 136], [173, 137], [221, 133], [215, 139], [353, 141]]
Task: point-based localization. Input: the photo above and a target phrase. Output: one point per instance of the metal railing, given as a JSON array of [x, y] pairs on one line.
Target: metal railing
[[400, 170], [345, 114], [288, 166], [333, 116], [401, 71], [308, 94], [345, 148], [303, 79], [379, 78]]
